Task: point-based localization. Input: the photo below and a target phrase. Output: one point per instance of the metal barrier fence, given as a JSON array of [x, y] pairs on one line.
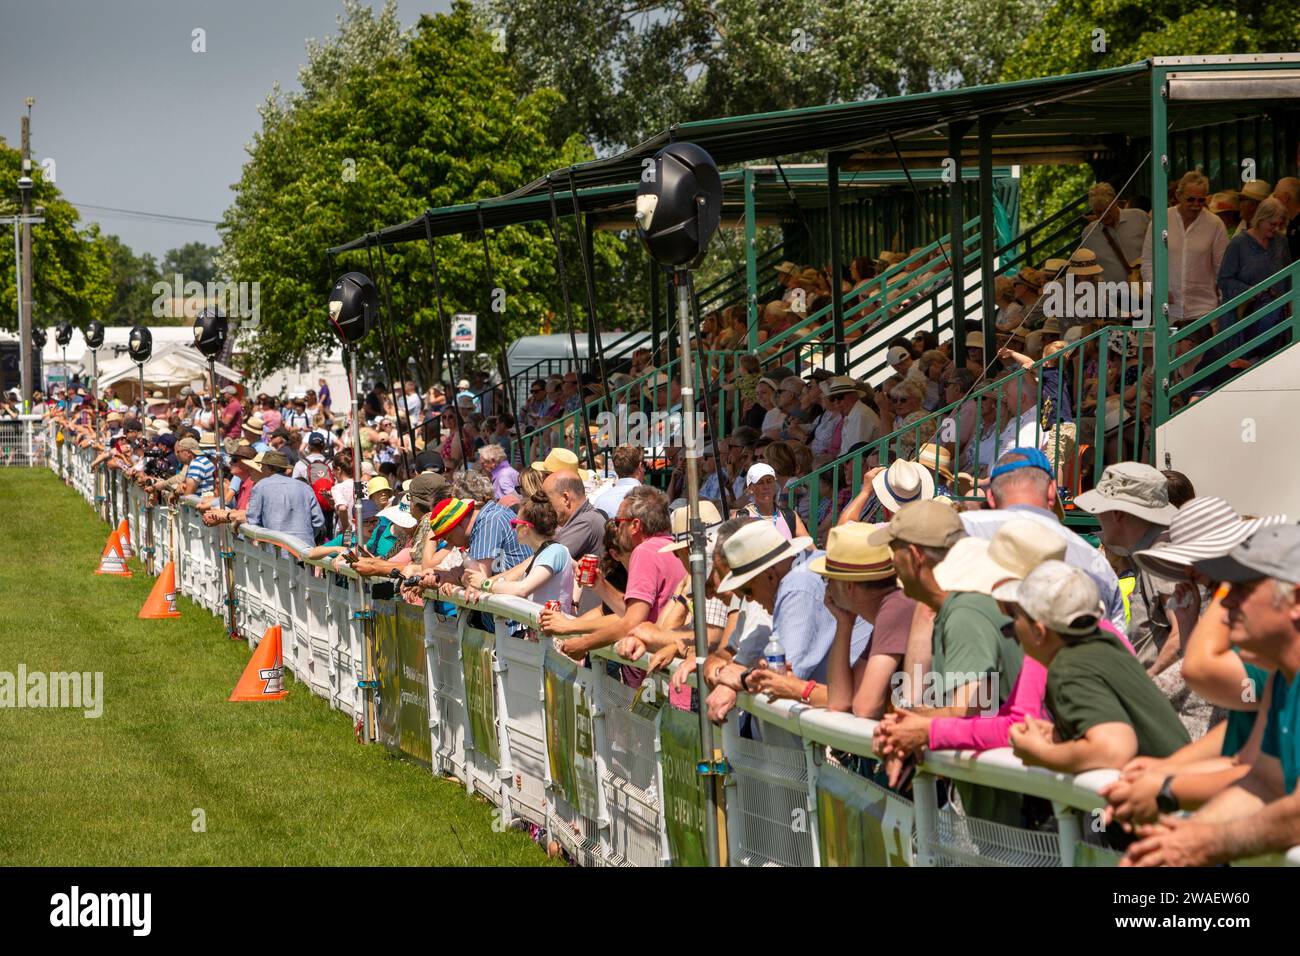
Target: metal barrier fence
[[609, 773], [23, 441]]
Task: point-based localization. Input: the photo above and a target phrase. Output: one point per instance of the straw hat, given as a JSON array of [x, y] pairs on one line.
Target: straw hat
[[377, 484], [558, 459], [936, 458], [681, 524], [1224, 201], [981, 564], [1256, 189], [1031, 278], [754, 548], [850, 555], [1053, 268], [786, 267], [902, 483], [1205, 527], [1084, 263]]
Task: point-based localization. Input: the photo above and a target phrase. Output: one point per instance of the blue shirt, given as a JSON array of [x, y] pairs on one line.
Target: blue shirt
[[1246, 263], [1282, 732], [284, 504], [1078, 552], [608, 501], [805, 628], [202, 469], [493, 539]]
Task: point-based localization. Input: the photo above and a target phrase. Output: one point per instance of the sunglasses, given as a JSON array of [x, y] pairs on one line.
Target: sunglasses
[[1196, 200], [1009, 630], [621, 520], [520, 523]]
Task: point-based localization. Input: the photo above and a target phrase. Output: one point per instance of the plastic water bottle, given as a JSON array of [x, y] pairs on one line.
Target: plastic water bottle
[[774, 654]]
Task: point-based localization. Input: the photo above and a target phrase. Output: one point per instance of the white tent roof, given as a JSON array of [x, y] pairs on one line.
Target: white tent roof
[[171, 366]]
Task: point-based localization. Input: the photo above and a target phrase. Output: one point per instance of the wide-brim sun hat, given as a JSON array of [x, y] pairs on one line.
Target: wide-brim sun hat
[[681, 519], [1205, 527], [981, 564], [850, 555], [754, 548], [1131, 487], [902, 483]]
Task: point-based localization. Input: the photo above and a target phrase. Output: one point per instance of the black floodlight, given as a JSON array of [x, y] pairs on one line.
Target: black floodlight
[[39, 337], [353, 307], [210, 332], [679, 208], [94, 334], [139, 345], [63, 332]]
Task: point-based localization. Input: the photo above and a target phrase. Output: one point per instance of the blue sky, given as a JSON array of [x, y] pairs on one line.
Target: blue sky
[[133, 118]]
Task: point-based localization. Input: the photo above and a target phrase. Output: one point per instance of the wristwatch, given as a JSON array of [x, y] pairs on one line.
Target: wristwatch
[[744, 680], [1166, 802]]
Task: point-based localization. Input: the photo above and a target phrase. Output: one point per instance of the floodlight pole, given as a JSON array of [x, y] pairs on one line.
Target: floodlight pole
[[67, 413], [711, 758], [223, 537], [365, 613]]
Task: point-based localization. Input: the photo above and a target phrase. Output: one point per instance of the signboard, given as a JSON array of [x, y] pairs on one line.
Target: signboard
[[685, 801], [402, 700], [860, 823], [480, 696], [570, 747], [464, 332]]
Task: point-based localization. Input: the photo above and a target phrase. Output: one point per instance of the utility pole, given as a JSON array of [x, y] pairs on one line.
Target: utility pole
[[25, 320]]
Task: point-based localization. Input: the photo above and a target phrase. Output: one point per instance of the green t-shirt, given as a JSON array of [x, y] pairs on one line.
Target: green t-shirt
[[1242, 722], [1095, 681], [968, 640], [1282, 732]]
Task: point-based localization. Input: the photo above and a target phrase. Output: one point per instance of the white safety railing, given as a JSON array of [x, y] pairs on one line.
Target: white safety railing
[[23, 441], [610, 776]]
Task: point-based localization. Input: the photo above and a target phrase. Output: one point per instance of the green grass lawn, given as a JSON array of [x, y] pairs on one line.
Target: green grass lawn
[[280, 783]]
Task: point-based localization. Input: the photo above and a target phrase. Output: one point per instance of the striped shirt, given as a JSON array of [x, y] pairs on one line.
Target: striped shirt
[[202, 470]]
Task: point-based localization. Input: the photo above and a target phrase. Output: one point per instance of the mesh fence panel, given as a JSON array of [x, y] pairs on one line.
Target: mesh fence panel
[[770, 803]]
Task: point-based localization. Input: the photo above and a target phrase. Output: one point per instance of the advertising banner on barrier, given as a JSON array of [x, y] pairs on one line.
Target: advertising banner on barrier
[[477, 656], [569, 743], [684, 801], [860, 823], [388, 672], [413, 707]]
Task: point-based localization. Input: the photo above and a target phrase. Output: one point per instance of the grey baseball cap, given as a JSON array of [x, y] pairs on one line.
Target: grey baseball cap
[[1060, 597], [1272, 552]]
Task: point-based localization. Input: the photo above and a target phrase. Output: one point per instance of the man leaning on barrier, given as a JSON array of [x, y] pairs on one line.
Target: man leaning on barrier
[[1261, 814]]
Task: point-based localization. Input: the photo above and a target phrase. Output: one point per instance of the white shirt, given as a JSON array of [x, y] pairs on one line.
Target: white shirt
[[1195, 252], [772, 420], [1129, 234], [861, 424], [824, 432]]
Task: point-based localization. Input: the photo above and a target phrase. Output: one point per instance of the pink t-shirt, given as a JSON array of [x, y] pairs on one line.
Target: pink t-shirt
[[651, 577], [1026, 698]]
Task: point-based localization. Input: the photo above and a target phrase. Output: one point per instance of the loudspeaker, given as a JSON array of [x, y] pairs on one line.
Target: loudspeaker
[[63, 332], [210, 332], [353, 307]]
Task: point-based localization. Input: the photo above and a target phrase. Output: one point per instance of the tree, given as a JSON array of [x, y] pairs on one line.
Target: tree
[[192, 261], [1083, 35], [70, 265], [132, 277], [390, 124], [628, 69]]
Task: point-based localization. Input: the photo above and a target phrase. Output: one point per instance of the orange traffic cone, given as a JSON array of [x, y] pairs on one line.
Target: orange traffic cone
[[124, 536], [113, 561], [263, 678], [162, 599]]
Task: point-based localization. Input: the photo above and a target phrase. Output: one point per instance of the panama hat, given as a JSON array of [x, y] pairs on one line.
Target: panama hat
[[850, 555], [902, 483], [974, 340], [1030, 277], [681, 522], [786, 267], [558, 459], [1084, 263], [1052, 268], [841, 384], [1256, 189], [754, 548], [1131, 487], [1224, 201], [1205, 527], [254, 425], [981, 564]]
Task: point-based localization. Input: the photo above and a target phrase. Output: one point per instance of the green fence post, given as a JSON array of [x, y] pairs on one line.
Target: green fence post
[[751, 262], [1159, 316]]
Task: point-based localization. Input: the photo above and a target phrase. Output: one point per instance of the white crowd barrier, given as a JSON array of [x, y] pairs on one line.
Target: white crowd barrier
[[23, 441], [611, 777]]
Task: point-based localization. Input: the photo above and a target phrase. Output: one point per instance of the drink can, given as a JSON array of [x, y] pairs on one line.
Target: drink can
[[552, 606], [587, 567]]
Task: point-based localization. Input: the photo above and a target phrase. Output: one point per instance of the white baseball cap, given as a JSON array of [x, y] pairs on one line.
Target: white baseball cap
[[1061, 598], [758, 472], [897, 355]]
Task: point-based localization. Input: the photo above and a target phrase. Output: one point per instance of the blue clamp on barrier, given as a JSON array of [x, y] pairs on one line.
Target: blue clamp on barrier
[[707, 768], [231, 602], [363, 615], [226, 554], [368, 684], [147, 550]]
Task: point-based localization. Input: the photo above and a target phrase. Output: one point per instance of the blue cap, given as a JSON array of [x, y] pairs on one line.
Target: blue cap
[[1030, 458]]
